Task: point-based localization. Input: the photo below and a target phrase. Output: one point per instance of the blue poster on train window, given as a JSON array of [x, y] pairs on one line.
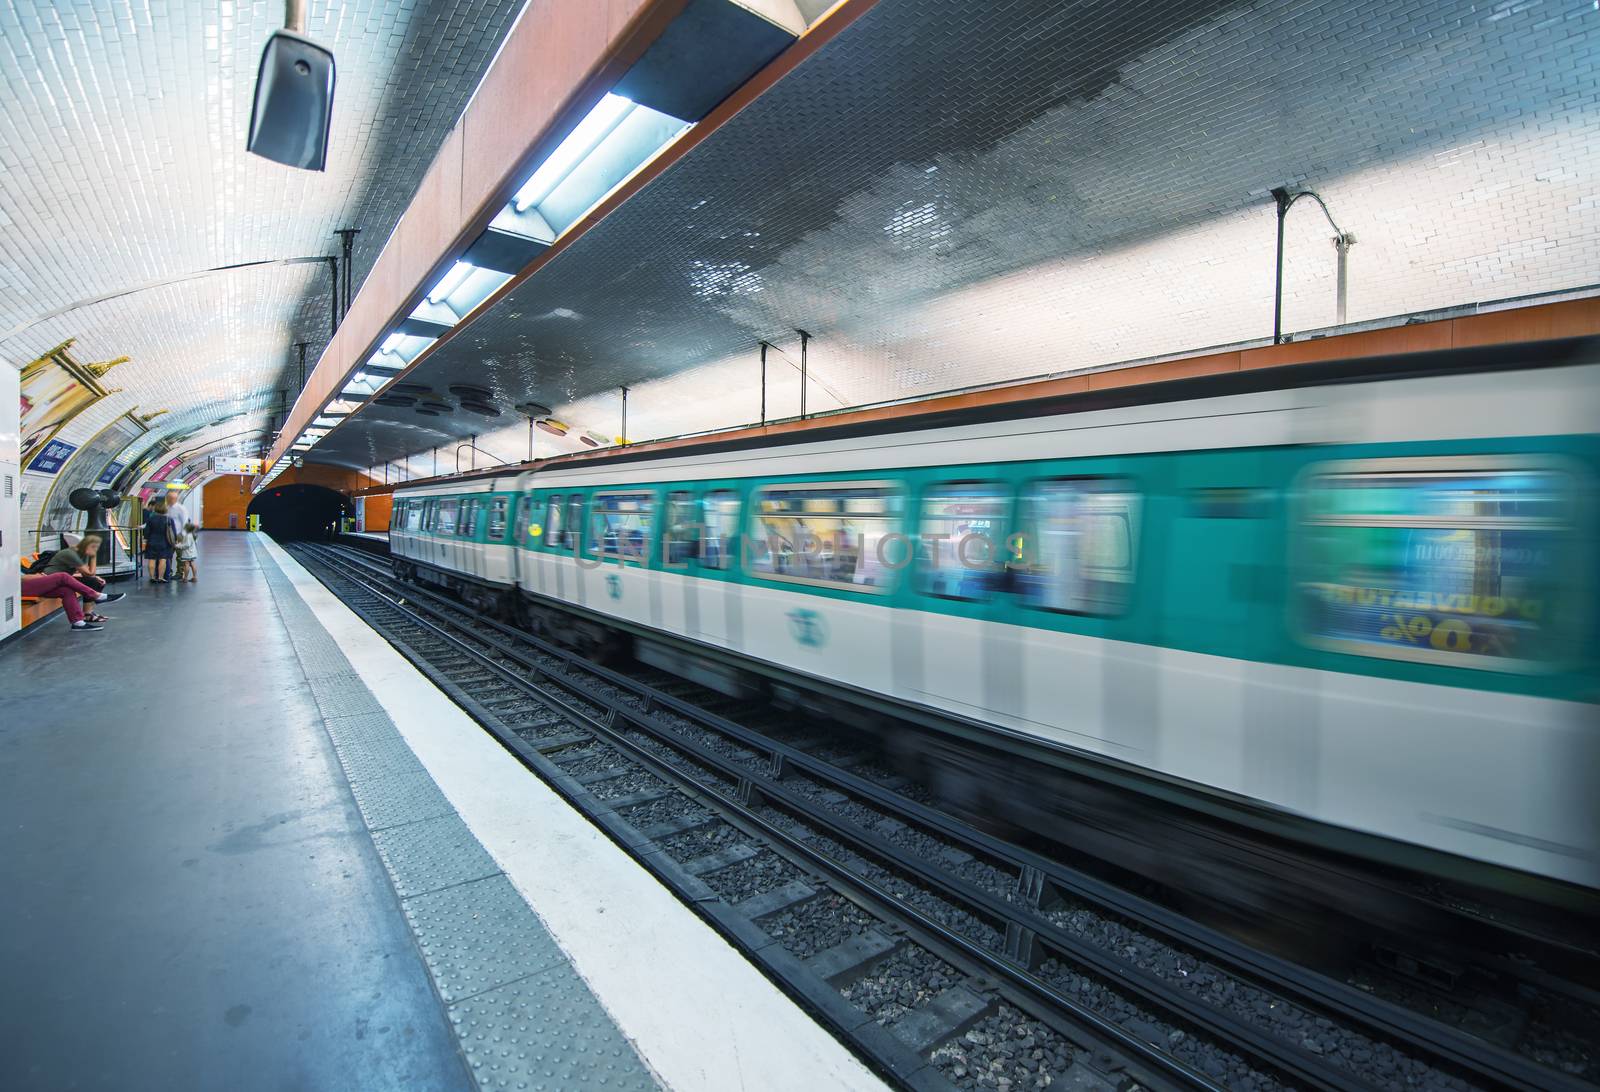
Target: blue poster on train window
[[110, 474], [52, 457]]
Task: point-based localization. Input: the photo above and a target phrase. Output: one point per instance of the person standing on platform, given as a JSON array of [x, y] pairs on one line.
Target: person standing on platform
[[188, 556], [158, 538], [78, 563], [183, 535]]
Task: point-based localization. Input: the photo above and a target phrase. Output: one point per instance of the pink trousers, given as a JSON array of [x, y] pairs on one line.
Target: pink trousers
[[62, 586]]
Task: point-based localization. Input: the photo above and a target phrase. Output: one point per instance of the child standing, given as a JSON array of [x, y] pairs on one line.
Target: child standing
[[188, 555]]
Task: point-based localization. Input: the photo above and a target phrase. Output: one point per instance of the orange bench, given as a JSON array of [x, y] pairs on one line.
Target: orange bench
[[33, 607]]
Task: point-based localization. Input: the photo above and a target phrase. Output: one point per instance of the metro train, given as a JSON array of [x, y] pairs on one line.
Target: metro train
[[1350, 606]]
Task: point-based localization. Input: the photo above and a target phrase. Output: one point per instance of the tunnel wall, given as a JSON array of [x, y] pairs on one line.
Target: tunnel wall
[[224, 498]]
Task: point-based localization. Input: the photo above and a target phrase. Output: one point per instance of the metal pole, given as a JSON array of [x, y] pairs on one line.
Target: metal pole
[[805, 339], [530, 439], [763, 382], [435, 462], [347, 238], [1341, 244], [301, 345], [1281, 196], [294, 15], [624, 416], [472, 453], [333, 267]]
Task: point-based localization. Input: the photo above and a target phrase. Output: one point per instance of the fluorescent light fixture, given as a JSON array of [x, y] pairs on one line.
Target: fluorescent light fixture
[[601, 121], [609, 144], [454, 297], [391, 342], [447, 284], [322, 421]]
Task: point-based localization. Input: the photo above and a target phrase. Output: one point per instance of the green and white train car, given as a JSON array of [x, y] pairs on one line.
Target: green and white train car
[[1354, 597]]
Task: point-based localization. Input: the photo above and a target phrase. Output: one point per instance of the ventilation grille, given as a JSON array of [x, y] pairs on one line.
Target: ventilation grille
[[9, 485], [11, 608]]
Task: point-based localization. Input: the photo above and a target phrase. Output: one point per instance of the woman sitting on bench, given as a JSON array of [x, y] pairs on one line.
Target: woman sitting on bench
[[60, 580]]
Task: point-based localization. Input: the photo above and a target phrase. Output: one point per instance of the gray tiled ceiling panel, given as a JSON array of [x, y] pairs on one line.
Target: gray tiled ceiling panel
[[122, 165], [954, 193]]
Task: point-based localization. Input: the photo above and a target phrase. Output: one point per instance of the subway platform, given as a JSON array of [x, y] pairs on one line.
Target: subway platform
[[247, 846]]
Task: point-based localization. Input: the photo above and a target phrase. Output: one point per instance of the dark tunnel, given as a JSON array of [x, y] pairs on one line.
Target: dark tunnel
[[300, 511]]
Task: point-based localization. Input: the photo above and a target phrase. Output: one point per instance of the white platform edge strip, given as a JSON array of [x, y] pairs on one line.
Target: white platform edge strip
[[697, 1011]]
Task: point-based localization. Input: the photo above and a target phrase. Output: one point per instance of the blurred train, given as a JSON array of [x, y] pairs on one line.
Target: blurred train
[[1350, 607]]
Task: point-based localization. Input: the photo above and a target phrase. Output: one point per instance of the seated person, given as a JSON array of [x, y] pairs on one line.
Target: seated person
[[78, 561], [71, 592]]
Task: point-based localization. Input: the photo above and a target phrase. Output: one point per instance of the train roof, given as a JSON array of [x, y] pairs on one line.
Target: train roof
[[1069, 394]]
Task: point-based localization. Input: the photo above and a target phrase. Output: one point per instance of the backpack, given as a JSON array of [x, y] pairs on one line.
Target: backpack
[[40, 562]]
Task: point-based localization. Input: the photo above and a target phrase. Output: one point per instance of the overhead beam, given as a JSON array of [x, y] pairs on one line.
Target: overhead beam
[[557, 61]]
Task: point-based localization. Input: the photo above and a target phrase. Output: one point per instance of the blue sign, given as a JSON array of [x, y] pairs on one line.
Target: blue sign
[[614, 586], [110, 474], [53, 457]]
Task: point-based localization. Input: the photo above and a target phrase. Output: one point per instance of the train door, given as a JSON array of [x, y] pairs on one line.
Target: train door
[[1224, 566], [446, 524], [958, 536], [615, 573], [715, 612], [680, 548], [499, 566], [570, 583]]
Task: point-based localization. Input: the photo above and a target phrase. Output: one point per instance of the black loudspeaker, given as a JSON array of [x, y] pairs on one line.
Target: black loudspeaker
[[294, 102], [96, 502]]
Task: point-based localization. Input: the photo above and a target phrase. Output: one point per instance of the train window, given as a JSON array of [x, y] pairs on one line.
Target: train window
[[826, 534], [961, 540], [619, 526], [1455, 561], [431, 515], [552, 523], [572, 528], [497, 519], [1077, 547], [719, 518], [449, 516], [464, 522], [680, 538]]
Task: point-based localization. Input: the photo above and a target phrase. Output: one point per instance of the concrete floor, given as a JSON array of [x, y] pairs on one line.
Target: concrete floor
[[190, 899]]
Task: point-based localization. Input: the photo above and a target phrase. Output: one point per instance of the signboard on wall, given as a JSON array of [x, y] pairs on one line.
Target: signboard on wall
[[109, 475], [52, 456], [236, 466]]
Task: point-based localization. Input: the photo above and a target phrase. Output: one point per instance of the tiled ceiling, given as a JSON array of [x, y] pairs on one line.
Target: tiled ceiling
[[123, 174], [953, 193]]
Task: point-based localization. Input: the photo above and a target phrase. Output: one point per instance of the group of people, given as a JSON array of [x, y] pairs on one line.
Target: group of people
[[169, 537], [69, 573]]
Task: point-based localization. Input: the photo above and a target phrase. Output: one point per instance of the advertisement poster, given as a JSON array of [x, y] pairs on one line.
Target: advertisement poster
[[55, 389], [51, 457], [157, 482], [109, 475]]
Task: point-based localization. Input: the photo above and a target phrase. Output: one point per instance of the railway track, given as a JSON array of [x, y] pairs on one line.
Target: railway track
[[947, 957]]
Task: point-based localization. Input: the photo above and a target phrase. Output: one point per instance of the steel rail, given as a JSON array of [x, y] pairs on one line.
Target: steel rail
[[1179, 1006], [1377, 1017]]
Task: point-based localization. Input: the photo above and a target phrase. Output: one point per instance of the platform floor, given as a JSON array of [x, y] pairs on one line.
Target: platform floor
[[248, 846], [192, 898]]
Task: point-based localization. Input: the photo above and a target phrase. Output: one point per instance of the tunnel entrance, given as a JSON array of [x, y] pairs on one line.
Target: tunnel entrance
[[300, 511]]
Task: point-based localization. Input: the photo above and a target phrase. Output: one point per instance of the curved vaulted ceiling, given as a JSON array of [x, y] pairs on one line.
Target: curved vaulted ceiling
[[952, 194], [134, 224]]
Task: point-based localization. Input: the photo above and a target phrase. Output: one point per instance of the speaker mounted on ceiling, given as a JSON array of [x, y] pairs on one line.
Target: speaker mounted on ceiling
[[293, 108]]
